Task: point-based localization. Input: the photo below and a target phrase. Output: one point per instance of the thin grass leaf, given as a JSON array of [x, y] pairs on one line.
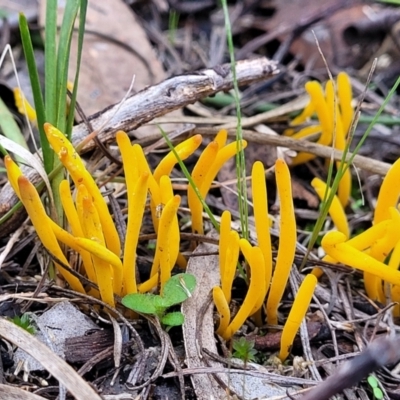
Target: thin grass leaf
[[64, 47], [10, 128], [50, 52], [48, 154], [240, 158], [81, 33]]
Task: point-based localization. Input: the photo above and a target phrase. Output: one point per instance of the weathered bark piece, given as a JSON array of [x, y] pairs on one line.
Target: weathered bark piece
[[81, 349]]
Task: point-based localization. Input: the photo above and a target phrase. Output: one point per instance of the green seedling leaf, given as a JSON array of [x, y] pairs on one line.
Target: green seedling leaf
[[173, 319], [378, 394], [143, 303], [24, 322], [372, 381], [178, 288], [244, 349]]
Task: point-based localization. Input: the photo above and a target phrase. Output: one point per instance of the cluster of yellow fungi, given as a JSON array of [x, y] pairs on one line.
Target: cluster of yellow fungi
[[264, 281], [93, 234]]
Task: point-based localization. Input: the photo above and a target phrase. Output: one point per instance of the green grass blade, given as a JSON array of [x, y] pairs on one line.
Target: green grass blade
[[240, 158], [81, 33], [64, 47], [9, 127], [50, 52], [36, 90]]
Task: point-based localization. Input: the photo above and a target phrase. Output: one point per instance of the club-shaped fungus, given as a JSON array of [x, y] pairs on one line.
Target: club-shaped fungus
[[287, 244], [296, 315]]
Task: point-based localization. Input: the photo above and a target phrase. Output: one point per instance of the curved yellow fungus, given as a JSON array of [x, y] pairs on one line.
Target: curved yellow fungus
[[261, 218], [287, 245], [34, 207], [307, 113], [71, 160], [221, 138], [23, 105], [165, 246], [345, 96], [13, 173], [336, 210], [90, 221], [256, 286], [296, 315], [388, 193], [379, 250], [129, 161], [76, 228], [223, 156], [183, 150], [317, 98], [224, 231], [335, 246], [136, 204], [222, 308], [247, 251], [307, 131], [229, 268], [199, 172]]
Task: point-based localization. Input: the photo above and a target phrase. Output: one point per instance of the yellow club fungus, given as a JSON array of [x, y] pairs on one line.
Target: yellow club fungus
[[256, 286], [137, 187], [224, 231], [34, 207], [183, 150], [228, 270], [222, 308], [334, 244], [261, 218], [388, 193], [213, 158], [136, 205], [339, 142], [287, 244], [167, 246], [248, 253], [76, 228], [296, 315], [345, 96], [199, 172], [336, 210], [23, 105], [90, 222], [379, 250], [394, 264], [223, 156], [325, 118], [13, 173], [73, 163]]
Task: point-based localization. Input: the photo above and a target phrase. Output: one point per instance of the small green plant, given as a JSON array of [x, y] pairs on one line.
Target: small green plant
[[244, 349], [374, 385], [176, 290], [25, 322]]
